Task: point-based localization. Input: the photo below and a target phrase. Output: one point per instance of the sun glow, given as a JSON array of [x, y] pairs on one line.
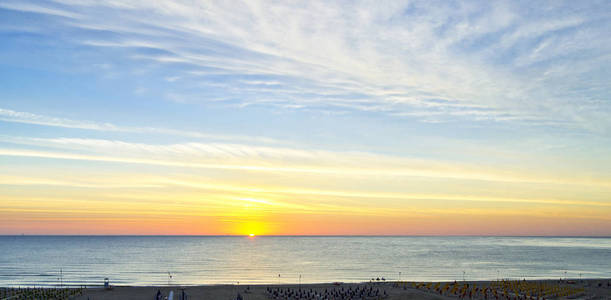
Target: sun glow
[[251, 235]]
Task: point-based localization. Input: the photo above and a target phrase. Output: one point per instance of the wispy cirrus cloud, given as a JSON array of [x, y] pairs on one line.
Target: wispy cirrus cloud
[[435, 62], [8, 115], [281, 159], [39, 9], [247, 192]]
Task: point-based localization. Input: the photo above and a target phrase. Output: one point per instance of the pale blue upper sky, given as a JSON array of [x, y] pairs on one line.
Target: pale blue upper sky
[[497, 84], [317, 72]]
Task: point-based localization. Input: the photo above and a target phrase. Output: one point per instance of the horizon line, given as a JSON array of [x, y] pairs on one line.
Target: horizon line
[[299, 235]]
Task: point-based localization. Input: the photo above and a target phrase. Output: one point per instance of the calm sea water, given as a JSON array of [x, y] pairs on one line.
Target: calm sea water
[[131, 260]]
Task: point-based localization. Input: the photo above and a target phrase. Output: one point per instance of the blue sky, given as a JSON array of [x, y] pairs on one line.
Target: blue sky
[[498, 91]]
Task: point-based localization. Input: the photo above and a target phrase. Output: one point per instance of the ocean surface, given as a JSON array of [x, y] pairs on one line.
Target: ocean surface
[[146, 260]]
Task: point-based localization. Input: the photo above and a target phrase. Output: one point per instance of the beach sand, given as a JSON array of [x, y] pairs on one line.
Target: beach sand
[[229, 292], [403, 290]]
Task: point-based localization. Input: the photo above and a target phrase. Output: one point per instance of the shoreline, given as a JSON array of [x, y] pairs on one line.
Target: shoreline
[[335, 283], [96, 286]]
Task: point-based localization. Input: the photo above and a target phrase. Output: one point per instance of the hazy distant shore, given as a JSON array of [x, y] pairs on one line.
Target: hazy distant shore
[[574, 289]]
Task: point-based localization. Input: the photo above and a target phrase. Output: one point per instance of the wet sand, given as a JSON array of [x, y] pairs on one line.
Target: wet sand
[[588, 289]]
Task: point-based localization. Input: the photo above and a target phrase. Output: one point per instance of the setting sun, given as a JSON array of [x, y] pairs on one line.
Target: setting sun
[[251, 235]]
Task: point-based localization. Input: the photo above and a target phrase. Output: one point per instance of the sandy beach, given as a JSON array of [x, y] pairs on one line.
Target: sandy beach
[[575, 289], [257, 292]]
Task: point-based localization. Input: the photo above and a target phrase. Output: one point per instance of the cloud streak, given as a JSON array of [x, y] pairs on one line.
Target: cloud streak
[[247, 158], [8, 115], [259, 194]]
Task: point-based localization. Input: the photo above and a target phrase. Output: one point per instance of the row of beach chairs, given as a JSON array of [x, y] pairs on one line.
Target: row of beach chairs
[[39, 293], [498, 290]]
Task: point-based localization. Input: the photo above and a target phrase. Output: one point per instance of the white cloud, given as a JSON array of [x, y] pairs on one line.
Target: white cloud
[[371, 56], [240, 157], [8, 115], [39, 9]]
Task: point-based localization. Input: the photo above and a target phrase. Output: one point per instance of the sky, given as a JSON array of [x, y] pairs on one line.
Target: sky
[[305, 117]]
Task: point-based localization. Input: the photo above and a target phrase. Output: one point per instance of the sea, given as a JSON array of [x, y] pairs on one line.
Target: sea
[[206, 260]]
